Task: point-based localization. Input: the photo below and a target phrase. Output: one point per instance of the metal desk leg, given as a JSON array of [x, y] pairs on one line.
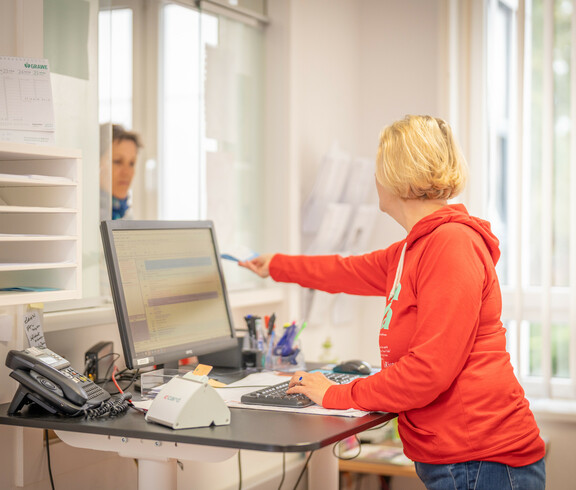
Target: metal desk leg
[[323, 472], [156, 475]]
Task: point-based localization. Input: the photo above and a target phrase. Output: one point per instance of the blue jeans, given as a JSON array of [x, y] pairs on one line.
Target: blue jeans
[[482, 475]]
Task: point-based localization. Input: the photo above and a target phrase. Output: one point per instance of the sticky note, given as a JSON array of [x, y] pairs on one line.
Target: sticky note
[[202, 370]]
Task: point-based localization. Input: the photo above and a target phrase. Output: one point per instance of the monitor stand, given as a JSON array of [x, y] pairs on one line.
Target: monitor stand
[[229, 358]]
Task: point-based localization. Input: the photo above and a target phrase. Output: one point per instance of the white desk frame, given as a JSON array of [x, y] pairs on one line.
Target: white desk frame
[[157, 459]]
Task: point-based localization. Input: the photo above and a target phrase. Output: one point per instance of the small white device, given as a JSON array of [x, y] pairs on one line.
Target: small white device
[[187, 402]]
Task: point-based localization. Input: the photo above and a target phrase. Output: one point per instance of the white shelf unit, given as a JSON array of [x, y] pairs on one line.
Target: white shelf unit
[[40, 223]]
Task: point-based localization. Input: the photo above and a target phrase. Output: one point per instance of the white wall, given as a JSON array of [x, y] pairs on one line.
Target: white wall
[[354, 68]]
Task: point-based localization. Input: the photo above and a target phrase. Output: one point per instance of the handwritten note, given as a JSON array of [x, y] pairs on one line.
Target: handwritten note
[[33, 327]]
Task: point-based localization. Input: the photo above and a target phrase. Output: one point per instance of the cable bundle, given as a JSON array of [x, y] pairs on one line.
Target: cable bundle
[[110, 408]]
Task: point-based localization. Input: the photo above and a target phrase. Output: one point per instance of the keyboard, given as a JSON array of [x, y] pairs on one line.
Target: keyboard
[[276, 394]]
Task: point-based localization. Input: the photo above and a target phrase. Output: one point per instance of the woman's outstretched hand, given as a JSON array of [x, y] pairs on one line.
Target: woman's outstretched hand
[[259, 265]]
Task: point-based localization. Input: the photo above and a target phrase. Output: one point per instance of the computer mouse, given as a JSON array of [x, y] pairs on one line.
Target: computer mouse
[[354, 366]]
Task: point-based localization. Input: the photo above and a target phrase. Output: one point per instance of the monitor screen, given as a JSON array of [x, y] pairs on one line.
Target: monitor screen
[[168, 290]]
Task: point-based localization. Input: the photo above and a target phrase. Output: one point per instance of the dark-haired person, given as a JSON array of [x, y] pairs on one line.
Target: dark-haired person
[[117, 183]]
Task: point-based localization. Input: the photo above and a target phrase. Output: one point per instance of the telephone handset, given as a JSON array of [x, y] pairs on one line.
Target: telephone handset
[[48, 380]]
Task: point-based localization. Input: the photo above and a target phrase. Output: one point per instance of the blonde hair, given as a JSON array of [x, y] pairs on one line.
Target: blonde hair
[[418, 158]]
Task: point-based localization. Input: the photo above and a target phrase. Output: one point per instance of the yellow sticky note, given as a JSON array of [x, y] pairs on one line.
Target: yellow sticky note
[[202, 370]]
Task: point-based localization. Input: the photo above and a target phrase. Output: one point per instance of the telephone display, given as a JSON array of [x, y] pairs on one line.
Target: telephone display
[[48, 380]]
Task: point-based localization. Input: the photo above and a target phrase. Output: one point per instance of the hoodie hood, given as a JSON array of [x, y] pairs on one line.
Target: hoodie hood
[[455, 213]]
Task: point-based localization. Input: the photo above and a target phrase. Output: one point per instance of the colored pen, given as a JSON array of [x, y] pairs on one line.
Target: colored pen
[[271, 322], [300, 331]]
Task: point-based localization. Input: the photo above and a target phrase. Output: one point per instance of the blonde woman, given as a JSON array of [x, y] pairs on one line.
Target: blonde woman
[[462, 415]]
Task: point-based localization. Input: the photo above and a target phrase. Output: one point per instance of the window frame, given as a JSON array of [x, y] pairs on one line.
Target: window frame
[[544, 304]]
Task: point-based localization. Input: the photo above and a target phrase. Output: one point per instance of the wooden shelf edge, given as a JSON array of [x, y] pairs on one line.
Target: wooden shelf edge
[[387, 469]]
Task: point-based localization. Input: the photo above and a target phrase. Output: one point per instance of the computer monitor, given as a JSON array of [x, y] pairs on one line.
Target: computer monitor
[[168, 290]]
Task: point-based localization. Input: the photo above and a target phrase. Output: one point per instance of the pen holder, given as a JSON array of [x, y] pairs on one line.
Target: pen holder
[[289, 363], [252, 359]]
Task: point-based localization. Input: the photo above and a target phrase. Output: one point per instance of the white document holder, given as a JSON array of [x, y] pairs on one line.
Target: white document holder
[[188, 402]]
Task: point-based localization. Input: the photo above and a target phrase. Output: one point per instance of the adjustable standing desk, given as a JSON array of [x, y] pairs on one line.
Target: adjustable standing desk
[[157, 447]]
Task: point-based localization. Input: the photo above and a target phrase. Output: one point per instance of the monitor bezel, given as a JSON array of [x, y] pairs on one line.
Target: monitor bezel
[[198, 348]]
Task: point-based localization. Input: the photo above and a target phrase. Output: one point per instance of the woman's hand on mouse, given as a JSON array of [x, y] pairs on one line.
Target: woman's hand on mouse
[[313, 385]]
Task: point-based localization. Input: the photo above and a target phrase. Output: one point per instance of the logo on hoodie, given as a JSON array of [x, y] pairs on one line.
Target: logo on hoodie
[[388, 310], [395, 291]]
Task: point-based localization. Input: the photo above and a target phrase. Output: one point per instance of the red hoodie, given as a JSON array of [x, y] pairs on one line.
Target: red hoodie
[[445, 369]]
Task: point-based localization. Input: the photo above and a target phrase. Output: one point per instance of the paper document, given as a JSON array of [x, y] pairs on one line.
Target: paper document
[[329, 186], [332, 229], [239, 253], [25, 99]]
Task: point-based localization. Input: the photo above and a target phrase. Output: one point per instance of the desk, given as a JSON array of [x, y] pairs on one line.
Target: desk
[[157, 447]]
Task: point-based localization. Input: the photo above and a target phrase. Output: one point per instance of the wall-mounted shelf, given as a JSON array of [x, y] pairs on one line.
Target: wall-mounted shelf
[[34, 180], [33, 209], [40, 226]]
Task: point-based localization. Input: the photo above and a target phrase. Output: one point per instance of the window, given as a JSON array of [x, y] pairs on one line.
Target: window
[[196, 99], [531, 167], [115, 56], [182, 110]]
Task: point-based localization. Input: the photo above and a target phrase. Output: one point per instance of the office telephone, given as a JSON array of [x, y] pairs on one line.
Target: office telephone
[[48, 380]]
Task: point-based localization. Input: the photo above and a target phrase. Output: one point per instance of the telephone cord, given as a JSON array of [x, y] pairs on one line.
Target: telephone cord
[[111, 408]]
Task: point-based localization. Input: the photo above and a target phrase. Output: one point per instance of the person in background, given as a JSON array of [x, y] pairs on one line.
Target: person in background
[[462, 415], [115, 182]]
